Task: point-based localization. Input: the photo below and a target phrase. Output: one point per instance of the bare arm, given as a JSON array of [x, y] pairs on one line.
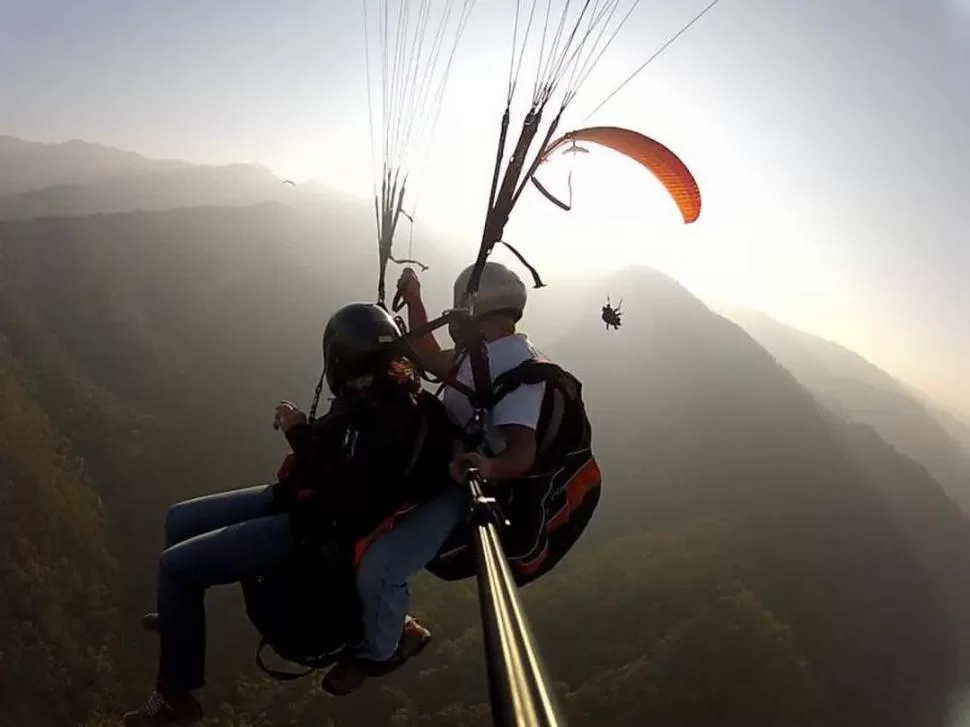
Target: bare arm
[[519, 455], [516, 460], [427, 350]]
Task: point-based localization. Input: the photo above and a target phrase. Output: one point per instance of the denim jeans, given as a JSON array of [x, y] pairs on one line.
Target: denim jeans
[[213, 540], [394, 557], [223, 538]]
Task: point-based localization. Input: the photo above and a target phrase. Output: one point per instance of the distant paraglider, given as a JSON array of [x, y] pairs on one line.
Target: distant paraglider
[[611, 315], [289, 182]]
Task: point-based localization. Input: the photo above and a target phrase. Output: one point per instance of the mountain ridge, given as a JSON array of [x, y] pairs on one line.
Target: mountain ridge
[[847, 383], [28, 165], [827, 570]]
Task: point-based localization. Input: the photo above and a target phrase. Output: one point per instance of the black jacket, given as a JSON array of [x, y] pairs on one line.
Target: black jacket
[[363, 460]]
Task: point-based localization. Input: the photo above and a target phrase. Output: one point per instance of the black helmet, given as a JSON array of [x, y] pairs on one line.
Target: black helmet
[[356, 342]]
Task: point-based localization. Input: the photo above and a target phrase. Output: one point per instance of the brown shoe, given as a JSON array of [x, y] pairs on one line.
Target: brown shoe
[[346, 677], [349, 674], [173, 710], [149, 622]]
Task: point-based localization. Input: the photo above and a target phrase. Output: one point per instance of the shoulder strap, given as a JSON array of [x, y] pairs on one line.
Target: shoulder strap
[[533, 371], [419, 441], [562, 402]]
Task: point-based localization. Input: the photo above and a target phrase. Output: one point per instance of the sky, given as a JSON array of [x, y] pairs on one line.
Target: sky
[[829, 140]]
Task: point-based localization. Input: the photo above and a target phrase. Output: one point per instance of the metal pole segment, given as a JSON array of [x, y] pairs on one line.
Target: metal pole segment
[[519, 688]]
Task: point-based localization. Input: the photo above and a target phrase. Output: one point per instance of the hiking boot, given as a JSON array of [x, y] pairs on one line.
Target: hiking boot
[[149, 622], [349, 674], [172, 710]]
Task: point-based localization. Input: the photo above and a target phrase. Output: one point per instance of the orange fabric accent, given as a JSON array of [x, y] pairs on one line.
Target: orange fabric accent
[[285, 467], [560, 519], [587, 479], [661, 161], [361, 546], [527, 568]]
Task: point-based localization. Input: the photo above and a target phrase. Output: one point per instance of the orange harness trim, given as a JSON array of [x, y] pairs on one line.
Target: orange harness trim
[[583, 482], [361, 546]]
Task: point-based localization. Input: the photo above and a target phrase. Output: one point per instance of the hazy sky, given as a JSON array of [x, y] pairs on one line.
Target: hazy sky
[[829, 137]]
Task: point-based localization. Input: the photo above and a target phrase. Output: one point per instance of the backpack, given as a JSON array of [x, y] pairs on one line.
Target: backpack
[[549, 509], [305, 609]]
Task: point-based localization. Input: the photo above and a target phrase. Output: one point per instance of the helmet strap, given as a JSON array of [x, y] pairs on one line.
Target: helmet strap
[[317, 392]]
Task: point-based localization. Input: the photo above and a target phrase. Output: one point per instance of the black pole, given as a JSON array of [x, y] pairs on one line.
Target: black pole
[[519, 688]]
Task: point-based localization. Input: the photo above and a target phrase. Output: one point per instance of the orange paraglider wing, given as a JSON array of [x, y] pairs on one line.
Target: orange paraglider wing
[[663, 163]]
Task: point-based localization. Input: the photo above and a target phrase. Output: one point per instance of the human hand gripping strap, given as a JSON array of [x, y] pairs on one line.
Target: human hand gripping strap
[[470, 344]]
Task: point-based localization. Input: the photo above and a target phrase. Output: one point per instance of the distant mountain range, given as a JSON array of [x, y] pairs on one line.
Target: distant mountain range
[[860, 391], [28, 166], [77, 178], [157, 343]]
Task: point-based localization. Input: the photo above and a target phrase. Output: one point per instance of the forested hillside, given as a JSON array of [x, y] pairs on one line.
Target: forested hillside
[[858, 390], [756, 560], [57, 578]]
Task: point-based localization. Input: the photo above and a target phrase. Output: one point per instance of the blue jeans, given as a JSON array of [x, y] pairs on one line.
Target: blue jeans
[[212, 540], [392, 559]]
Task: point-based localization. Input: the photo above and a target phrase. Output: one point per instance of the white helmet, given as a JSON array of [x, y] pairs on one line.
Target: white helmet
[[499, 290]]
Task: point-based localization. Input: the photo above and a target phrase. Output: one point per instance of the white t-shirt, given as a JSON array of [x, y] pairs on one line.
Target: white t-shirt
[[521, 406]]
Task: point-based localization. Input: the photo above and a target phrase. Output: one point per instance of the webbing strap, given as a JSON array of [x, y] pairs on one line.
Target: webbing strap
[[283, 676], [533, 371]]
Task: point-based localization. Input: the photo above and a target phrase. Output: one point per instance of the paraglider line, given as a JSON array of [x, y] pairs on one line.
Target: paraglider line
[[608, 12], [593, 60], [542, 51], [567, 57], [370, 115], [517, 65], [653, 57]]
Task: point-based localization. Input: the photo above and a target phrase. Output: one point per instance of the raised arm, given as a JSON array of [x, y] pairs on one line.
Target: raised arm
[[429, 353]]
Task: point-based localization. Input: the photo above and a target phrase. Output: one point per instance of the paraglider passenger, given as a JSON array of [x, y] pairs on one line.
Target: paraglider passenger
[[511, 435], [228, 537]]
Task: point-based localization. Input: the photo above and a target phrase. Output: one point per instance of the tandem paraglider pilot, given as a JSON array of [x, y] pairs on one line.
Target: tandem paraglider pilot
[[536, 453]]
